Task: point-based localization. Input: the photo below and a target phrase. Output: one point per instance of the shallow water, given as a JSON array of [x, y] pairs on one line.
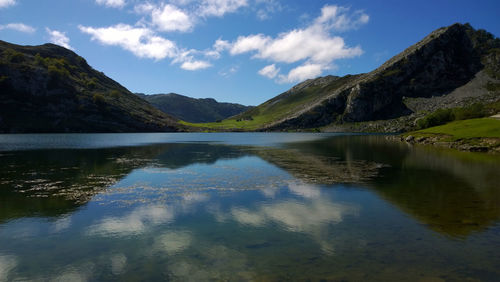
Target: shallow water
[[244, 206]]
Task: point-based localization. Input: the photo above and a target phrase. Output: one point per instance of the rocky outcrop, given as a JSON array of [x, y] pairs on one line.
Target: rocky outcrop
[[446, 60], [49, 88]]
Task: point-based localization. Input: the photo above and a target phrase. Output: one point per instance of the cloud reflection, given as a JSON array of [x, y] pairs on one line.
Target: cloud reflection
[[118, 263], [61, 224], [312, 215], [7, 263], [215, 262], [304, 190], [173, 242], [134, 223], [295, 216], [76, 273]]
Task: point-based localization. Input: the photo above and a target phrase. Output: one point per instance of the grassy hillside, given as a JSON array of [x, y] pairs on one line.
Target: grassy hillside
[[193, 110], [463, 129], [477, 135], [453, 66], [280, 107], [48, 88]]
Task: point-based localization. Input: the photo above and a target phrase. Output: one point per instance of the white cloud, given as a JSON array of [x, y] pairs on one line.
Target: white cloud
[[170, 18], [302, 73], [229, 71], [59, 38], [336, 18], [142, 42], [269, 7], [269, 71], [249, 43], [7, 3], [111, 3], [144, 8], [218, 8], [18, 27], [313, 45], [195, 65], [145, 43], [181, 2], [221, 45]]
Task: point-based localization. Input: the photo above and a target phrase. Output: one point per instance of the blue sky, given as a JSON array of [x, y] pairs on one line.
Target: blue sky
[[244, 51]]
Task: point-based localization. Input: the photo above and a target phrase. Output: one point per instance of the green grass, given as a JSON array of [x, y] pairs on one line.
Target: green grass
[[464, 129], [265, 113], [275, 109]]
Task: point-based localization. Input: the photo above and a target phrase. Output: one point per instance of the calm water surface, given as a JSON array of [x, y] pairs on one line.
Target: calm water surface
[[126, 207]]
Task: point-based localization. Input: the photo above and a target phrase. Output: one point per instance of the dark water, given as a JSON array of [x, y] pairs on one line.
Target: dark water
[[242, 207]]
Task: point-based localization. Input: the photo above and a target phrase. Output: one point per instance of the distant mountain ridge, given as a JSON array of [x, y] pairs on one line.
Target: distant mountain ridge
[[192, 109], [453, 66], [49, 88]]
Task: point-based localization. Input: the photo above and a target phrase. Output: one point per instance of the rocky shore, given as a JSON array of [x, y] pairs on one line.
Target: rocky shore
[[485, 145]]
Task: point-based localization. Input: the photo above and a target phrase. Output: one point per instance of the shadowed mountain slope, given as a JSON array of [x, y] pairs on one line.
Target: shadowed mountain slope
[[48, 88], [193, 110]]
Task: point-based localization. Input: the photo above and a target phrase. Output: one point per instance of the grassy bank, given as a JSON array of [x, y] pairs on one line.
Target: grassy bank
[[481, 134], [464, 129]]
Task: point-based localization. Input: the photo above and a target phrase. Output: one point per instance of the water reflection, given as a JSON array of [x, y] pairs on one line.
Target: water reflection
[[341, 208], [133, 223], [452, 193], [55, 182], [313, 216], [7, 263]]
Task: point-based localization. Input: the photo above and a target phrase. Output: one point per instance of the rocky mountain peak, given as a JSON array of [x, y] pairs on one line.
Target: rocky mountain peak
[[447, 59]]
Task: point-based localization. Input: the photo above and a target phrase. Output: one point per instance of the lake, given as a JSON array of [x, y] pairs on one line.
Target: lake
[[245, 206]]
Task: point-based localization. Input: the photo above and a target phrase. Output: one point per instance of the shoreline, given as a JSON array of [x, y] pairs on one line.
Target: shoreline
[[480, 144]]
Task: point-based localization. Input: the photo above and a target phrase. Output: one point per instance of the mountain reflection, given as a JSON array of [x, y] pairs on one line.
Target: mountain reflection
[[450, 193], [55, 182]]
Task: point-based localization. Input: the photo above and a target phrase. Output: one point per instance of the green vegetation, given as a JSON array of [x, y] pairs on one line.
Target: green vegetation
[[12, 56], [115, 94], [494, 87], [279, 107], [443, 116], [47, 88], [463, 129], [98, 98]]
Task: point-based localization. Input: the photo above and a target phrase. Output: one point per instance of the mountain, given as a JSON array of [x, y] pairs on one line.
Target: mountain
[[193, 110], [48, 88], [453, 66]]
